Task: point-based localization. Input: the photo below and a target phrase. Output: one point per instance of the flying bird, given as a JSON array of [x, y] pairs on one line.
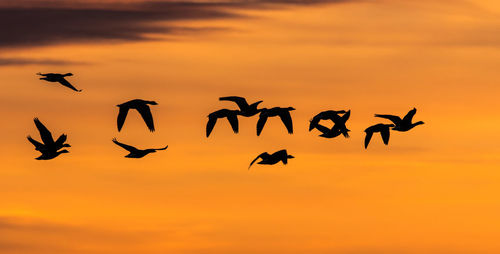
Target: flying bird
[[283, 113], [339, 126], [137, 153], [246, 109], [49, 148], [404, 124], [384, 130], [230, 115], [56, 77], [271, 159], [142, 107]]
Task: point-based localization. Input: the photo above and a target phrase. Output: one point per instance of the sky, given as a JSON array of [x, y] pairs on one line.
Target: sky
[[433, 189]]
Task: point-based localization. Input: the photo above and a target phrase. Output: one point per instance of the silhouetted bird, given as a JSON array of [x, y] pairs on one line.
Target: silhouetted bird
[[48, 148], [246, 110], [271, 159], [339, 126], [404, 124], [142, 107], [283, 113], [325, 115], [384, 130], [231, 115], [137, 153], [56, 77]]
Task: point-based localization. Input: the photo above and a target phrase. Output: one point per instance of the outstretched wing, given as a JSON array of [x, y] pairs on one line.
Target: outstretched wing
[[385, 133], [283, 155], [322, 128], [212, 120], [147, 116], [254, 160], [313, 123], [368, 137], [44, 132], [65, 83], [261, 123], [240, 101], [37, 144], [395, 119], [122, 114], [233, 120], [126, 147], [410, 115], [60, 141], [287, 120]]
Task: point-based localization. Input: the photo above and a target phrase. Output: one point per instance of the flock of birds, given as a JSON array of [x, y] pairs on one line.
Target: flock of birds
[[50, 149]]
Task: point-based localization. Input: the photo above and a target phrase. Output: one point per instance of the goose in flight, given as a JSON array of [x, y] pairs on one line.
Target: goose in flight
[[56, 77], [231, 115], [137, 153], [339, 126], [384, 130], [283, 113], [271, 159], [49, 148], [246, 109], [142, 107], [404, 124]]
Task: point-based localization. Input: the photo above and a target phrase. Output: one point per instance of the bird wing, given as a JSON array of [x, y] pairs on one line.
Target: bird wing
[[44, 132], [385, 133], [210, 124], [147, 116], [260, 156], [37, 144], [66, 83], [233, 120], [368, 137], [346, 116], [126, 147], [286, 118], [313, 123], [283, 155], [322, 128], [410, 115], [261, 123], [60, 141], [395, 119], [240, 101], [122, 114]]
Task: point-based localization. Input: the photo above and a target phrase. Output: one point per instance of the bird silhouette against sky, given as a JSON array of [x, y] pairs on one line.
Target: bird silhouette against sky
[[142, 107], [230, 115], [339, 126], [137, 153], [49, 148], [404, 124], [246, 110], [56, 77], [384, 130], [283, 113], [271, 159]]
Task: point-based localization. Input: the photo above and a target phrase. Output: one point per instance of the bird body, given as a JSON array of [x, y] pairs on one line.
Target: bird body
[[283, 113], [60, 78], [246, 110], [271, 159], [48, 155], [404, 124], [230, 115], [137, 153], [384, 130], [142, 107]]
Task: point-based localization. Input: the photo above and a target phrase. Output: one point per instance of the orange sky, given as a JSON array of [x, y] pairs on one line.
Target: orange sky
[[433, 190]]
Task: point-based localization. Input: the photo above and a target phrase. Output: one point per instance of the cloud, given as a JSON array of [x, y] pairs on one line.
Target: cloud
[[29, 61], [38, 23]]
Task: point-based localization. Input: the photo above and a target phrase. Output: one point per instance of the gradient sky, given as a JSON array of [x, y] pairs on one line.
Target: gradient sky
[[433, 190]]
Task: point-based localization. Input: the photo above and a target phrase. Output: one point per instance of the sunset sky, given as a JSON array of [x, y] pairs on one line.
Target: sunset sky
[[434, 189]]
